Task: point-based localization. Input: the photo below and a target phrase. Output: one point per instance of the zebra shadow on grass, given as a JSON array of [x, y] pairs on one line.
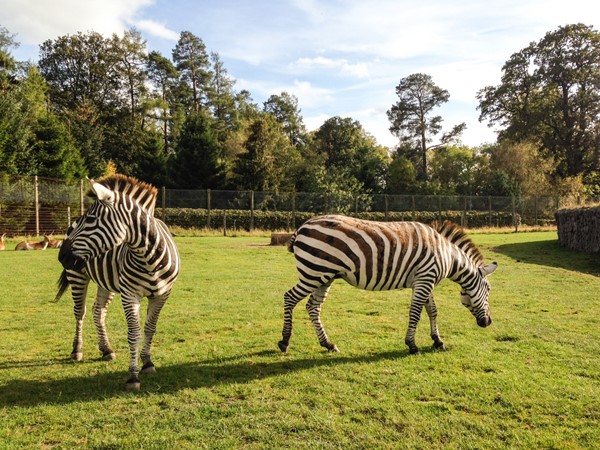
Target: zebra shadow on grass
[[550, 253], [169, 378]]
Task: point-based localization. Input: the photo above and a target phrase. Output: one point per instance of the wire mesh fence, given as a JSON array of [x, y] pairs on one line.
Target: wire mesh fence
[[36, 205]]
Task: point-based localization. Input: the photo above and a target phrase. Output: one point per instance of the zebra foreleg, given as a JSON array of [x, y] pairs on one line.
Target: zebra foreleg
[[431, 309], [103, 299], [131, 307], [79, 292], [154, 307], [420, 297], [290, 300], [313, 306]]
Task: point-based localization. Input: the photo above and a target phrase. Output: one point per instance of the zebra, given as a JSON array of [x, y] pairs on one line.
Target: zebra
[[123, 248], [382, 256]]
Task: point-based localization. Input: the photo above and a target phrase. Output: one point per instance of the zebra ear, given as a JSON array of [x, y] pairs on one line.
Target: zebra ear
[[102, 192], [489, 269]]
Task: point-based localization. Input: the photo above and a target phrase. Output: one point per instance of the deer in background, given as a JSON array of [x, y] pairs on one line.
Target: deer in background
[[2, 246], [29, 245]]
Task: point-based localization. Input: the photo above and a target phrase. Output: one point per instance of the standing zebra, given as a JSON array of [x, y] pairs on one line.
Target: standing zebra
[[381, 256], [123, 248]]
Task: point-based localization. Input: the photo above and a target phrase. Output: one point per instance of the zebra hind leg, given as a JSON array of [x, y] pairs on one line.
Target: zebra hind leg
[[103, 299], [313, 306], [154, 307], [290, 300], [431, 309]]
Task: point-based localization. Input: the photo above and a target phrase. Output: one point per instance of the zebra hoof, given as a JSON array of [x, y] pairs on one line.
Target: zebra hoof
[[108, 356], [148, 368], [439, 346], [132, 385], [414, 351], [283, 346], [77, 356], [333, 349]]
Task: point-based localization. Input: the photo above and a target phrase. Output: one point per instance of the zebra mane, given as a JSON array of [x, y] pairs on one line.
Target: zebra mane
[[458, 237], [144, 193]]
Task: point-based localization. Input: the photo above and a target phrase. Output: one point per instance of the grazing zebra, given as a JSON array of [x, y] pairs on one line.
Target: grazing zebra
[[381, 256], [123, 248]]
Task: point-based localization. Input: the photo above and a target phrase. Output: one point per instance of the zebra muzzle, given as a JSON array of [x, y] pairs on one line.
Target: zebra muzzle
[[68, 259], [484, 321]]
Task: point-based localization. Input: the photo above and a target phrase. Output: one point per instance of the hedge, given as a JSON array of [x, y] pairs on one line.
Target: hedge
[[235, 219]]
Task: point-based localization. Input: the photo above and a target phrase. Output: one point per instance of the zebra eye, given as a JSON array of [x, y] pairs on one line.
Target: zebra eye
[[90, 220]]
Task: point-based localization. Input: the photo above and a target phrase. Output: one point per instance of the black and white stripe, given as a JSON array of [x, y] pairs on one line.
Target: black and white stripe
[[381, 256], [123, 248]]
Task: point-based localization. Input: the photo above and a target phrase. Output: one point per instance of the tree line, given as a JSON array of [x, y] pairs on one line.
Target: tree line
[[94, 105]]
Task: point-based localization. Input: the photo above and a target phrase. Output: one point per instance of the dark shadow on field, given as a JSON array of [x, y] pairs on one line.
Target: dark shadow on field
[[550, 253], [172, 378]]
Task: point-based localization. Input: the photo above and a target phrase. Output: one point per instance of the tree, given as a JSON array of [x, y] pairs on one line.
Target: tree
[[197, 163], [269, 161], [163, 76], [8, 65], [458, 170], [191, 60], [348, 154], [550, 96], [285, 109], [410, 117]]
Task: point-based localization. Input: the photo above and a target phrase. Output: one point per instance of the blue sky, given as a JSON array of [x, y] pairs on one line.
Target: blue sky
[[338, 57]]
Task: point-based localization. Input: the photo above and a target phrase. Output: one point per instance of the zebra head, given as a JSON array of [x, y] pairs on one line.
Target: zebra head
[[475, 294], [102, 228]]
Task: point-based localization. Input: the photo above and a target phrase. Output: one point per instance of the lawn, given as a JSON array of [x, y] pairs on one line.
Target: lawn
[[531, 380]]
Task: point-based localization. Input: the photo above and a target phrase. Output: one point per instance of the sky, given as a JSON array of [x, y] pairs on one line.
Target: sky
[[338, 57]]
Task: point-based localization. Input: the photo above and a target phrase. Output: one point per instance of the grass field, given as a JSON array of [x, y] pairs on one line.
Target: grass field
[[531, 380]]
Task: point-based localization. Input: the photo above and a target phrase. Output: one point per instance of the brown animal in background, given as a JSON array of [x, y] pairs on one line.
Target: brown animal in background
[[55, 243], [29, 245], [2, 247]]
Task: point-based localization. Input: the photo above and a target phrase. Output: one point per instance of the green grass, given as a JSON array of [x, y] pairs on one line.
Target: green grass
[[531, 380]]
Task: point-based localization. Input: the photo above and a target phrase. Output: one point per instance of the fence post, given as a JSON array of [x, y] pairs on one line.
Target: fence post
[[208, 208], [68, 216], [535, 207], [356, 204], [440, 208], [464, 213], [413, 207], [490, 210], [294, 210], [251, 210], [164, 204], [385, 203], [37, 205], [81, 197]]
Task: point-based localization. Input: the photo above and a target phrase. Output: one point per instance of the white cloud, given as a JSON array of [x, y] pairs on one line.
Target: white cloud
[[358, 70], [35, 21], [156, 29]]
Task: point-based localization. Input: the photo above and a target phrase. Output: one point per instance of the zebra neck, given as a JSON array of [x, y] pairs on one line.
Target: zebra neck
[[462, 269], [145, 244]]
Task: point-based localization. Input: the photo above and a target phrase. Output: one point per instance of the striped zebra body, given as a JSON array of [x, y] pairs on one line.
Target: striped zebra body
[[123, 248], [382, 256]]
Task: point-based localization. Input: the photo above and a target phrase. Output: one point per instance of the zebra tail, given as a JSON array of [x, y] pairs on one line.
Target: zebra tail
[[290, 243], [63, 284]]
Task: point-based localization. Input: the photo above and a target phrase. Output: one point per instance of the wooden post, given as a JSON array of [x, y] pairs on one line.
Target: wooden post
[[81, 197], [208, 208], [224, 222], [37, 205], [251, 210], [490, 210], [164, 204], [294, 211], [385, 203], [68, 216]]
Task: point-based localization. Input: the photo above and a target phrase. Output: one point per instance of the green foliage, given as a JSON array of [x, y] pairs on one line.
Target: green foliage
[[197, 164], [550, 95]]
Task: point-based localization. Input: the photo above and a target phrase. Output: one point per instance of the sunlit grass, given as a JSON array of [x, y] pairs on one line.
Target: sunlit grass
[[531, 380]]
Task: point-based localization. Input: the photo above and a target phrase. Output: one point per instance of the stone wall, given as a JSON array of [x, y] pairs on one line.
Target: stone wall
[[579, 229]]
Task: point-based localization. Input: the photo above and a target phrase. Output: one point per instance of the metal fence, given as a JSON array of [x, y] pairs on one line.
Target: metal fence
[[36, 205]]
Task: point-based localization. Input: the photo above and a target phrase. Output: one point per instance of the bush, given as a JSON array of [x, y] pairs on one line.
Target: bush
[[235, 219]]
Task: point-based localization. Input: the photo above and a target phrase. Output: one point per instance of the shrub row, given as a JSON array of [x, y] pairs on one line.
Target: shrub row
[[235, 219]]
